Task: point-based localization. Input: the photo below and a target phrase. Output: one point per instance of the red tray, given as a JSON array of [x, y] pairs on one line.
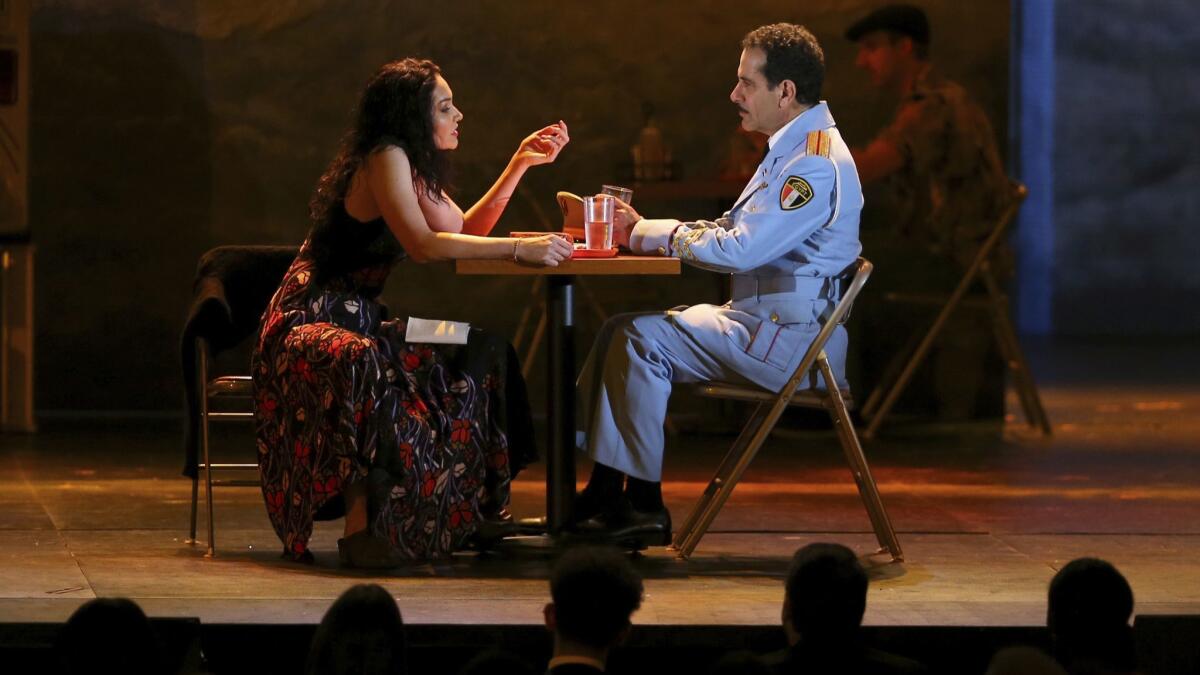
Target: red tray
[[594, 253]]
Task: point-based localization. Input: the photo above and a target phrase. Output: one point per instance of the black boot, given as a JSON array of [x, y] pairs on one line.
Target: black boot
[[603, 492], [627, 527], [644, 495], [639, 519]]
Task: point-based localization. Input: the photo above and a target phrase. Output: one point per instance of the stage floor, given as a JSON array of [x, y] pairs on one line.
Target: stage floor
[[985, 518]]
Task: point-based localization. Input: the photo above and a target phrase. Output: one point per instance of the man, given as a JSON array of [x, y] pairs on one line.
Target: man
[[594, 592], [793, 229], [939, 152], [823, 606], [1087, 612], [945, 186]]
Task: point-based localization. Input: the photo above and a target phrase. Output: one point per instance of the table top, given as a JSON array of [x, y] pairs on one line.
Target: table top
[[621, 265]]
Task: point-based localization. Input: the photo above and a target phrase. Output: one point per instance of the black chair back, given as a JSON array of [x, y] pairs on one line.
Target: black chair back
[[233, 286]]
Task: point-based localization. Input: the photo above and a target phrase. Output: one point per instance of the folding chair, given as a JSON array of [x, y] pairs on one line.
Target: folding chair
[[235, 392], [232, 288], [770, 405], [879, 404]]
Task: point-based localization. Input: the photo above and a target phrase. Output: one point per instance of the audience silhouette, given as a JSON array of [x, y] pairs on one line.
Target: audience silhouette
[[361, 634], [594, 592], [823, 606], [1088, 613], [109, 635]]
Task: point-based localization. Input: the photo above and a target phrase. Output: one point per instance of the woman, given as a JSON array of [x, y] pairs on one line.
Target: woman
[[406, 439]]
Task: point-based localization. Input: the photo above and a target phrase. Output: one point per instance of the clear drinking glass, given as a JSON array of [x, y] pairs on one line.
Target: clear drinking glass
[[622, 193], [598, 221]]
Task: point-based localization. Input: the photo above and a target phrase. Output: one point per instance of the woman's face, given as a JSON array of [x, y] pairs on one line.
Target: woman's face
[[445, 116]]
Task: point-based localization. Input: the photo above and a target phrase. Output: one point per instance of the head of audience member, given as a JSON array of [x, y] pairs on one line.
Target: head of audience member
[[496, 662], [780, 75], [594, 591], [361, 633], [740, 663], [109, 635], [826, 595], [408, 104], [1088, 613], [893, 43], [1023, 661]]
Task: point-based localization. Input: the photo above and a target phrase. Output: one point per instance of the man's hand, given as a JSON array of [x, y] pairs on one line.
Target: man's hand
[[624, 218]]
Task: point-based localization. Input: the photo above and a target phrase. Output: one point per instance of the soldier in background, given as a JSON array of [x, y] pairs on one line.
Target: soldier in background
[[945, 185]]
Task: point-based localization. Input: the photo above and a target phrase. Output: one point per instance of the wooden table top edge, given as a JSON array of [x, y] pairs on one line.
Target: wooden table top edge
[[622, 265]]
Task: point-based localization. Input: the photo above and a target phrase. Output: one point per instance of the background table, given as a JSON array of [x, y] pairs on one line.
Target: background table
[[560, 376]]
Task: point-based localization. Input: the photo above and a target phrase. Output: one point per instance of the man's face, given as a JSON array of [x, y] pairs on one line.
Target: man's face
[[757, 105], [879, 55]]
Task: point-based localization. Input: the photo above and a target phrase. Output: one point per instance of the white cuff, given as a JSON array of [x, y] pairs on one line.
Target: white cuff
[[652, 237]]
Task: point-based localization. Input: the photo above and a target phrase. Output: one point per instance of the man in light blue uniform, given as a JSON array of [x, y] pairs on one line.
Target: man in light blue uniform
[[793, 229]]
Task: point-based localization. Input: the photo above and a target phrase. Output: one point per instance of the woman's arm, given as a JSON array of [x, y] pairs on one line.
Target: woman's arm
[[540, 147], [389, 177]]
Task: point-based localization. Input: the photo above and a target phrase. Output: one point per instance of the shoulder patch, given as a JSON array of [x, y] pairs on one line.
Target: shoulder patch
[[796, 192], [818, 143]]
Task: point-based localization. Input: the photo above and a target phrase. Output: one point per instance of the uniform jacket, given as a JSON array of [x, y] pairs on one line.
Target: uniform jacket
[[793, 229]]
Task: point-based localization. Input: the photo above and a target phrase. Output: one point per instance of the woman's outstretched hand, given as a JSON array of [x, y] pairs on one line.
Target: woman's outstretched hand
[[543, 145], [547, 250]]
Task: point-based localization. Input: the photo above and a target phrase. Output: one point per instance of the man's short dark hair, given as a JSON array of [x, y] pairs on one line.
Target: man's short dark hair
[[827, 591], [792, 54], [109, 635], [595, 591], [1088, 613]]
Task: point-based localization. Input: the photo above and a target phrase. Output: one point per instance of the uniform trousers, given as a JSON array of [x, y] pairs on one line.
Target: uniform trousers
[[626, 380]]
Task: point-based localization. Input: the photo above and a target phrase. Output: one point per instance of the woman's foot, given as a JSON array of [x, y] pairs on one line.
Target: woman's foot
[[363, 550], [490, 532]]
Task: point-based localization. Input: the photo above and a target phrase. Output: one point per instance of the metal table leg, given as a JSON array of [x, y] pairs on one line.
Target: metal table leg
[[560, 402]]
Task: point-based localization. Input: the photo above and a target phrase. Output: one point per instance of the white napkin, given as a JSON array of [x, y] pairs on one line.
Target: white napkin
[[439, 332]]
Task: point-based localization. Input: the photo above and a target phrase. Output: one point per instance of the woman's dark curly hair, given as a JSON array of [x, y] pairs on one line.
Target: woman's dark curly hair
[[396, 108]]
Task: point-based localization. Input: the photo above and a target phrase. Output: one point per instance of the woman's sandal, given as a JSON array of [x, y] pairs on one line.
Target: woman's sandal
[[363, 551], [489, 532]]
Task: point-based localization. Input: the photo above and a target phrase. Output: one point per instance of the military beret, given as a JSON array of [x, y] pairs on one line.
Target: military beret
[[902, 19]]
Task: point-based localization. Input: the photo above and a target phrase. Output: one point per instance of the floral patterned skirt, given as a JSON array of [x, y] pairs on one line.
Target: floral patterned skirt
[[341, 398]]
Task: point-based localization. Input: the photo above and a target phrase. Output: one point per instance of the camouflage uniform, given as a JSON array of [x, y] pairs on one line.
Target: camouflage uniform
[[942, 203], [952, 185]]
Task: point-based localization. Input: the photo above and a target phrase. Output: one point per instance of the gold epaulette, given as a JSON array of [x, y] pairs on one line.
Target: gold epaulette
[[818, 143]]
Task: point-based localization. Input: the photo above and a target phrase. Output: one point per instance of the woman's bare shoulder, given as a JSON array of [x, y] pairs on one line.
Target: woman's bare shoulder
[[389, 155], [389, 164]]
